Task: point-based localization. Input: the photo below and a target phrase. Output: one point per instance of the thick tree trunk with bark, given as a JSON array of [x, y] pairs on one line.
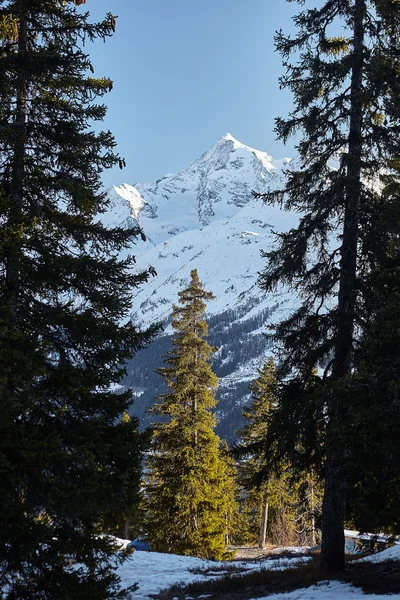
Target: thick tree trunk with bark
[[126, 529], [333, 510]]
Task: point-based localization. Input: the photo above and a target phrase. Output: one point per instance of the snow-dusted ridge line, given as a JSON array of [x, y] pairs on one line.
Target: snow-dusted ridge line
[[214, 186]]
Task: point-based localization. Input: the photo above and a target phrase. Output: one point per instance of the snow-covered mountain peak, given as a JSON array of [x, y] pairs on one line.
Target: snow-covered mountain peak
[[206, 217], [216, 186], [229, 149], [265, 158], [230, 138]]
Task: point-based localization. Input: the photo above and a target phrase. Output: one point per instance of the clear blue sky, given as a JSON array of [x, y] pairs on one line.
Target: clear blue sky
[[185, 73]]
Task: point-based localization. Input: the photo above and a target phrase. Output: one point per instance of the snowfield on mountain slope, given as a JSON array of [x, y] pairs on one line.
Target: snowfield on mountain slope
[[227, 256], [154, 571], [205, 217]]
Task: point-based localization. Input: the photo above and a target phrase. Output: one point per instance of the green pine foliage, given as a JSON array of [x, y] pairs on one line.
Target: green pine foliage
[[346, 91], [264, 392], [189, 493], [259, 493], [68, 465], [282, 501]]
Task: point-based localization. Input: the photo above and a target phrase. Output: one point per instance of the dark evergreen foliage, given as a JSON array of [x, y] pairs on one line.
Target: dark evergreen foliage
[[283, 490], [264, 394], [68, 465], [373, 498], [345, 81], [189, 491]]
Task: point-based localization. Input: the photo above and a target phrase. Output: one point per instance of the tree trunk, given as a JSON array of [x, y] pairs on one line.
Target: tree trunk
[[126, 529], [226, 530], [333, 509], [264, 521], [332, 548]]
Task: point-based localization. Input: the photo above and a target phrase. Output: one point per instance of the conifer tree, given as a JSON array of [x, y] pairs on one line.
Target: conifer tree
[[345, 89], [189, 495], [285, 497], [264, 392], [67, 462]]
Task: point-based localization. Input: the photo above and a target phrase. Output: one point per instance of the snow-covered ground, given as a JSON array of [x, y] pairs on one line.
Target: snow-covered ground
[[392, 553], [153, 572], [329, 590]]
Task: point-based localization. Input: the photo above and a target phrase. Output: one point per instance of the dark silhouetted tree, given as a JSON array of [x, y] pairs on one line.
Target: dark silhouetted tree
[[68, 464], [345, 80]]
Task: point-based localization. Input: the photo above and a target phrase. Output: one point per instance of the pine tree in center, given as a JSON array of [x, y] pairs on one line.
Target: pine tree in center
[[189, 494]]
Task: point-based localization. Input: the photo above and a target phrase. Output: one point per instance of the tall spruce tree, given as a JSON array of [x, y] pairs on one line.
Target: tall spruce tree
[[67, 462], [345, 82], [189, 494]]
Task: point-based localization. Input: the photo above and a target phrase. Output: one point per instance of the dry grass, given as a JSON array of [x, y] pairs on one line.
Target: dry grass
[[375, 578], [224, 569], [247, 585]]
